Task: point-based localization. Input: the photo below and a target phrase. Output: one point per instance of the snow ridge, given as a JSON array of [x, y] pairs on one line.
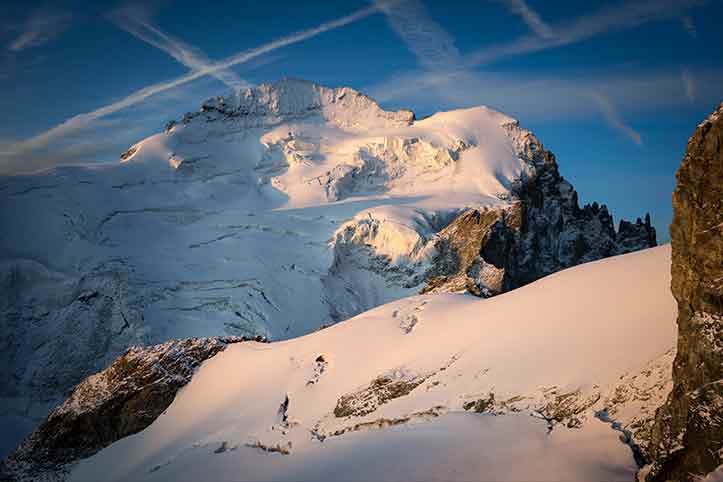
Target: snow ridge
[[287, 99]]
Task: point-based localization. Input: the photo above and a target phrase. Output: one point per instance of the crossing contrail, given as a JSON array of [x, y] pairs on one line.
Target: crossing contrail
[[81, 121], [190, 56]]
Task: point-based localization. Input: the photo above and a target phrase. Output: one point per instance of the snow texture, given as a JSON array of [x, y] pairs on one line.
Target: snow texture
[[547, 382]]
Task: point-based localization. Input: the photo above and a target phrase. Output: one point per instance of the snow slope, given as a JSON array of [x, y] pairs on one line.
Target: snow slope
[[393, 393], [221, 226]]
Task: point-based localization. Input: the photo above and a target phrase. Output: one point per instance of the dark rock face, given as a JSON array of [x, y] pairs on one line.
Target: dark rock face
[[458, 264], [543, 231], [688, 434], [119, 401], [555, 233]]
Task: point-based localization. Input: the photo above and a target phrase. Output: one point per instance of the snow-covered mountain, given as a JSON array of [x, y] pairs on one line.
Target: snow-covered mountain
[[557, 380], [272, 213]]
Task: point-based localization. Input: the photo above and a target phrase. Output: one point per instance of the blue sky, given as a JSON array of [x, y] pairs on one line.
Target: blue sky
[[614, 89]]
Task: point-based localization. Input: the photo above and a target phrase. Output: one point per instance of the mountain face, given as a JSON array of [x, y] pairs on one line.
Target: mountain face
[[271, 213], [688, 436]]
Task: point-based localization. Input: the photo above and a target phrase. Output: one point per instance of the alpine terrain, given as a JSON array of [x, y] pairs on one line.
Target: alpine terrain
[[290, 207]]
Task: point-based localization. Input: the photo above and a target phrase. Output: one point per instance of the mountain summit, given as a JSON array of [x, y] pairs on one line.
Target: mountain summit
[[289, 99]]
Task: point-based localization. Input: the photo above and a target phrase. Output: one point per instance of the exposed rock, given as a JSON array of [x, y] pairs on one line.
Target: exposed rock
[[482, 405], [382, 423], [126, 155], [458, 265], [119, 401], [630, 405], [567, 408], [320, 366], [490, 250], [284, 449], [543, 231], [380, 391], [688, 433]]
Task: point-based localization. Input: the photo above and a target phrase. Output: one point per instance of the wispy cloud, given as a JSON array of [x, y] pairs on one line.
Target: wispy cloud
[[689, 26], [613, 117], [137, 22], [530, 17], [552, 97], [609, 18], [82, 121], [561, 95], [42, 26], [688, 83]]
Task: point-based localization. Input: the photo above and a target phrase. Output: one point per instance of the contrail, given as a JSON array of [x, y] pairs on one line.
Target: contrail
[[187, 55], [82, 120], [606, 19], [428, 41], [612, 116], [622, 16], [530, 17]]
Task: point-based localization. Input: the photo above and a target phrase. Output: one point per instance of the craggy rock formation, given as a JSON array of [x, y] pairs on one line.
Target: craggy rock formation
[[119, 401], [544, 231], [380, 391], [460, 264], [688, 434]]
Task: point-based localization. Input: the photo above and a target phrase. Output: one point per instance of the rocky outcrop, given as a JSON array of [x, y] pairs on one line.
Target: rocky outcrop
[[688, 434], [119, 401], [543, 231], [459, 264], [485, 251]]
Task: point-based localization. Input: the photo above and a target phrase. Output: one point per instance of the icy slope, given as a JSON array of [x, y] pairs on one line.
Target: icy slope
[[409, 390]]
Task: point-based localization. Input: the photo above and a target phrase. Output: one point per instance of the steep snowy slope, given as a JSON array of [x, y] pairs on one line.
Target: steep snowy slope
[[557, 380], [271, 213]]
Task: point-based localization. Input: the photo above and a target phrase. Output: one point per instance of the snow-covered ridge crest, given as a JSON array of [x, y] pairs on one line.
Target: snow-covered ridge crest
[[269, 104]]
